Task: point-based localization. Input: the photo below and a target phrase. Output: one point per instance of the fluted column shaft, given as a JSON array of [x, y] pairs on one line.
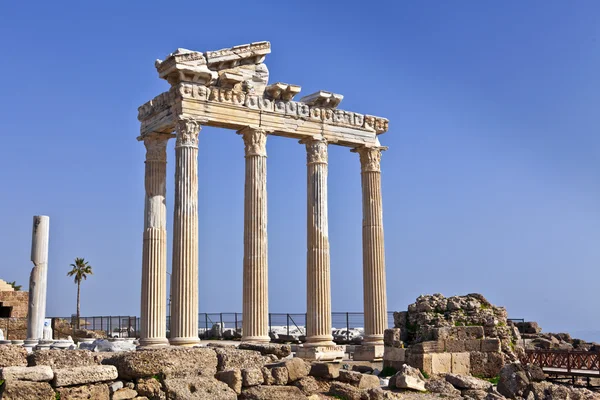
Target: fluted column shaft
[[184, 280], [154, 256], [375, 300], [318, 303], [255, 308]]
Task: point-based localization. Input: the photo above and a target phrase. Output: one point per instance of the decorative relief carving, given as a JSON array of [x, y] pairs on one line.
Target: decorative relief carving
[[156, 147], [255, 141], [187, 129], [316, 150], [370, 158], [160, 103]]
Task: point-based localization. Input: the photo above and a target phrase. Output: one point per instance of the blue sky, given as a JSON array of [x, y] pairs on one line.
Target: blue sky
[[491, 183]]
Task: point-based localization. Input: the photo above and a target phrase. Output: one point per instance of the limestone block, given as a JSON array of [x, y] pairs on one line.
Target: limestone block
[[169, 362], [230, 358], [461, 363], [344, 391], [64, 359], [99, 391], [83, 375], [472, 345], [42, 373], [466, 332], [455, 346], [490, 345], [296, 367], [280, 375], [272, 393], [396, 365], [267, 376], [392, 337], [12, 356], [321, 353], [200, 388], [252, 377], [434, 346], [232, 378], [325, 370], [279, 350], [410, 382], [361, 381], [309, 385], [124, 394], [22, 390], [441, 363], [441, 333], [420, 361], [394, 354], [467, 382], [149, 387], [486, 364], [368, 352]]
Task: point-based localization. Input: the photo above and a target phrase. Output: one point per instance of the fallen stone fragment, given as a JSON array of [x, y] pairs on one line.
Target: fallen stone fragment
[[345, 391], [467, 382], [308, 385], [513, 380], [83, 375], [96, 392], [361, 381], [279, 350], [252, 377], [113, 387], [408, 378], [231, 358], [23, 390], [41, 373], [280, 375], [124, 394], [441, 386], [272, 393], [325, 370], [267, 376], [149, 387], [297, 368], [198, 388], [232, 378]]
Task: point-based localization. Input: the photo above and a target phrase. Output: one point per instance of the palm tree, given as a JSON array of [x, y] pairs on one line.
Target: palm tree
[[81, 269], [15, 286]]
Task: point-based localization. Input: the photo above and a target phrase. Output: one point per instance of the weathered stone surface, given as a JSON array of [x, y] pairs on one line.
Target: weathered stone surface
[[267, 376], [472, 345], [272, 393], [297, 368], [198, 388], [308, 385], [280, 375], [233, 379], [461, 363], [394, 354], [85, 392], [20, 390], [486, 364], [441, 363], [124, 394], [12, 356], [279, 350], [455, 346], [467, 382], [64, 359], [234, 358], [490, 345], [114, 346], [116, 385], [149, 387], [345, 391], [42, 373], [83, 375], [408, 378], [363, 369], [513, 380], [528, 327], [252, 377], [441, 386], [475, 394], [420, 361], [170, 362], [361, 381], [392, 337], [325, 370], [432, 346]]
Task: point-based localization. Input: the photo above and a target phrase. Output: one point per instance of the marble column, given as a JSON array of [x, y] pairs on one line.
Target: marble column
[[255, 308], [154, 256], [184, 279], [37, 280], [375, 303], [318, 307]]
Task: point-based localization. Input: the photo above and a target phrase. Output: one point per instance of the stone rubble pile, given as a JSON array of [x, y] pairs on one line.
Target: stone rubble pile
[[533, 338]]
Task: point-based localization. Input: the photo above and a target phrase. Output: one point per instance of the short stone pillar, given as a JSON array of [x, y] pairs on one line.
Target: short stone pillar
[[37, 280], [319, 341], [154, 257], [255, 307], [184, 280], [374, 284]]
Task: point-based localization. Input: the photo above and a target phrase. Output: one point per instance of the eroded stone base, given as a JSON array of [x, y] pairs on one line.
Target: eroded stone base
[[369, 352], [321, 353]]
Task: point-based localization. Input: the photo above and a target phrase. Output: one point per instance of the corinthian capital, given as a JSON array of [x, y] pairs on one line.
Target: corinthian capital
[[156, 147], [316, 150], [187, 129], [255, 141], [370, 158]]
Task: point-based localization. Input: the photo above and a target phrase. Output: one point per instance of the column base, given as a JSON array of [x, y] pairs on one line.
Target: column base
[[321, 353], [184, 341], [256, 339], [320, 341], [147, 343], [29, 344], [368, 352]]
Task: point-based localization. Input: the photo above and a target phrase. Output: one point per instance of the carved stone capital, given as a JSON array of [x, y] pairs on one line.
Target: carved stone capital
[[316, 150], [156, 147], [255, 141], [187, 130], [370, 158]]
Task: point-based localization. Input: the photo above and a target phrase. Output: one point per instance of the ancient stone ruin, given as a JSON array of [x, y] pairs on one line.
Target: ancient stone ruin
[[230, 89]]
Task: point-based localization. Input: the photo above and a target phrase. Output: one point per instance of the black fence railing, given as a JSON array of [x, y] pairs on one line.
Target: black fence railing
[[285, 327]]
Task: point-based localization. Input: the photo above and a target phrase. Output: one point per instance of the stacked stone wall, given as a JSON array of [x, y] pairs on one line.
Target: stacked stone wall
[[18, 300]]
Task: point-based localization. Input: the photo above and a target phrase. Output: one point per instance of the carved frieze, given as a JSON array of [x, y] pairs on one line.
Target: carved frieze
[[323, 99]]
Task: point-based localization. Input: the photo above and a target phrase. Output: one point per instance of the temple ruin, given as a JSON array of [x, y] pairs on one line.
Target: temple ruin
[[230, 89]]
